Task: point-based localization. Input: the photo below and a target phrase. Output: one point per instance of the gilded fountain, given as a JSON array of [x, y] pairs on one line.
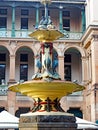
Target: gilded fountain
[[46, 86]]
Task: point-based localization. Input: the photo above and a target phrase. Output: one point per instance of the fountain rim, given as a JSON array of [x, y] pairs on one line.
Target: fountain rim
[[46, 32], [44, 87]]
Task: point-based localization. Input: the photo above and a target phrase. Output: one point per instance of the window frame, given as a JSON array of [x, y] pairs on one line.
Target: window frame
[[66, 13], [66, 20], [67, 72], [24, 23], [24, 12], [67, 66], [24, 75], [43, 12], [66, 24], [3, 11], [3, 72], [24, 57], [3, 23]]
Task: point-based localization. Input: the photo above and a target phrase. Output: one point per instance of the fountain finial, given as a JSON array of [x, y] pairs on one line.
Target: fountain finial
[[46, 31]]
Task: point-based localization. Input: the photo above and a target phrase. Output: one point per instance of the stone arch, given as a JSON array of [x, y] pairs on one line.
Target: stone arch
[[81, 50], [23, 46], [72, 62], [27, 46], [24, 63], [6, 47]]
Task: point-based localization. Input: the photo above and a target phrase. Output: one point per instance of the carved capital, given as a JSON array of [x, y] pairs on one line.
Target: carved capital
[[84, 58], [95, 37], [12, 56], [13, 43]]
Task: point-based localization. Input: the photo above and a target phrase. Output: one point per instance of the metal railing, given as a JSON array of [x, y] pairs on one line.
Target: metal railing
[[25, 34], [72, 35], [54, 0], [3, 89]]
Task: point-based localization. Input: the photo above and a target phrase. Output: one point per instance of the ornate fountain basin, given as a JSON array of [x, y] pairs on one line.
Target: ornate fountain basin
[[42, 89], [46, 35]]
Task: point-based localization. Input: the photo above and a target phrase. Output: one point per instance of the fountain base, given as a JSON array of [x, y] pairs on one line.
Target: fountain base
[[47, 121]]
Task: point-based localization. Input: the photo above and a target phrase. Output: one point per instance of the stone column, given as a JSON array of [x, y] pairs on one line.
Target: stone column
[[13, 21], [11, 102], [37, 16], [94, 49], [94, 94], [60, 20], [11, 97], [84, 69], [61, 67], [94, 63], [83, 19], [90, 66], [12, 69]]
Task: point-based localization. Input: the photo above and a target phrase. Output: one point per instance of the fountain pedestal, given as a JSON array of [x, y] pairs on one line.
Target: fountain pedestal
[[47, 121]]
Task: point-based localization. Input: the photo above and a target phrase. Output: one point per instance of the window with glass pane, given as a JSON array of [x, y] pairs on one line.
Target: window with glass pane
[[66, 24], [2, 57], [2, 72], [3, 11], [3, 22], [66, 13], [43, 13], [24, 23], [24, 57], [24, 12], [67, 67], [67, 58], [66, 20], [24, 72], [67, 72]]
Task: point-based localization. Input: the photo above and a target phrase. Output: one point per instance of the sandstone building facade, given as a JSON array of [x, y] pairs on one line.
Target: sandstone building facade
[[77, 52]]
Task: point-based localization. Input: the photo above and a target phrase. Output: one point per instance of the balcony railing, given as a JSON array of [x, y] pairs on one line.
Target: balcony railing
[[72, 35], [3, 89], [54, 0], [25, 34]]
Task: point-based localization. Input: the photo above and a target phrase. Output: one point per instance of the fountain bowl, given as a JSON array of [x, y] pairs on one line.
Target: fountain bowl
[[42, 89]]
